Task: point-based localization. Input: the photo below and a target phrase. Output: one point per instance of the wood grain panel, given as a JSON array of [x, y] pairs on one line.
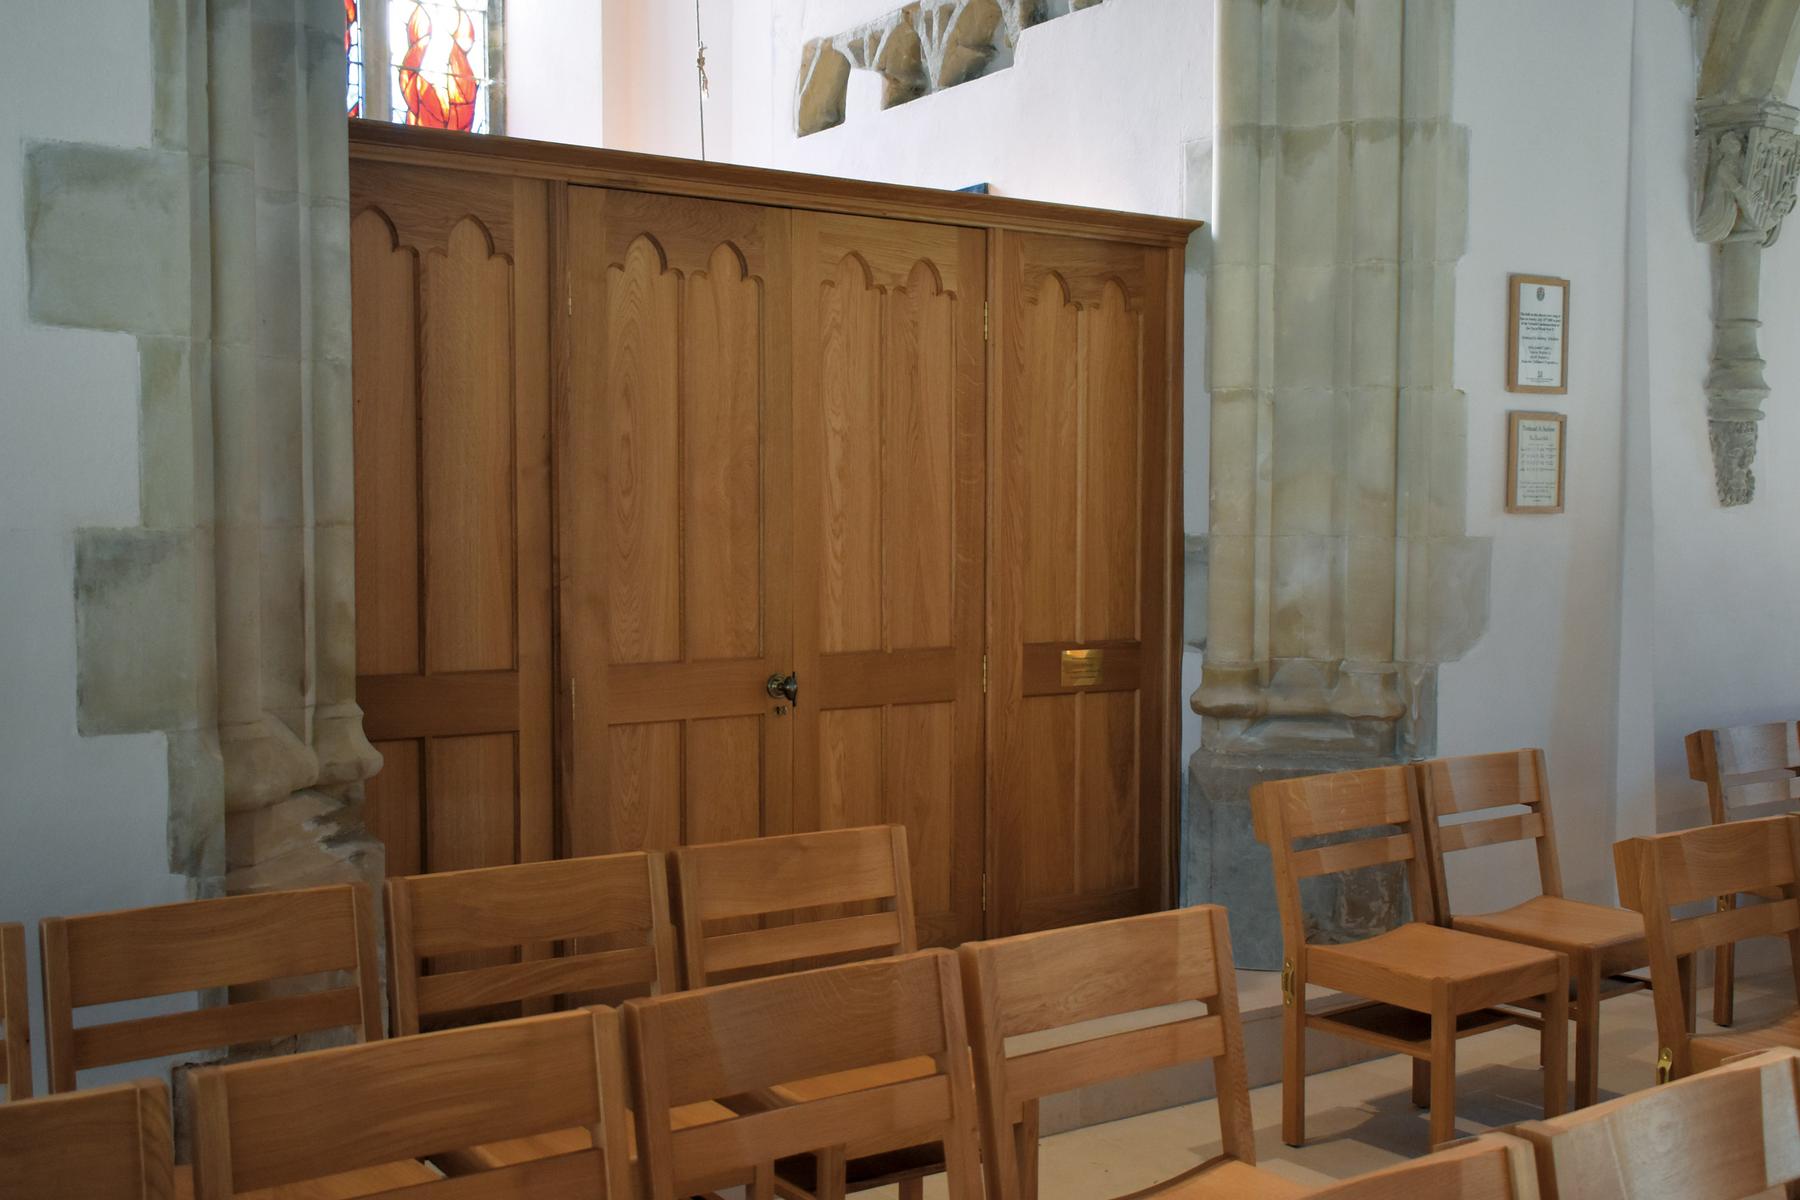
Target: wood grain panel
[[466, 435], [641, 332], [918, 463], [850, 768], [394, 805], [384, 383], [471, 821], [646, 762], [924, 737], [850, 395], [1081, 778], [724, 761]]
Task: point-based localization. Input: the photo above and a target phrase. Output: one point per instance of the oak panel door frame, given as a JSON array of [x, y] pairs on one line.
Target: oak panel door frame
[[1085, 425], [450, 293], [674, 514], [889, 545]]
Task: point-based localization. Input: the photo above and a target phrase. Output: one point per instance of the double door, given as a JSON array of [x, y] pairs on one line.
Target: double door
[[772, 505]]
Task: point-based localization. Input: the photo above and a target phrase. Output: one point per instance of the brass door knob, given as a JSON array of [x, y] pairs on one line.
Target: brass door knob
[[784, 687]]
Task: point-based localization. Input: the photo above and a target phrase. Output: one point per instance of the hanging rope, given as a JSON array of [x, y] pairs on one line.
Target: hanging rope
[[700, 66]]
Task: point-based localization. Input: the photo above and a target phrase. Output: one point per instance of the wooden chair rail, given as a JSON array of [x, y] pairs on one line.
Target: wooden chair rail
[[1351, 856], [1468, 835], [790, 943], [227, 1025], [1041, 1073], [537, 979], [1495, 1166], [107, 1143]]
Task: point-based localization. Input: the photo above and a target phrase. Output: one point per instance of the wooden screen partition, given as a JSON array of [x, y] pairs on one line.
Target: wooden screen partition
[[639, 441]]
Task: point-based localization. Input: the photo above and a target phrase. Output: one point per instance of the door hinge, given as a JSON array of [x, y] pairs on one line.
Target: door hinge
[[987, 314], [984, 675]]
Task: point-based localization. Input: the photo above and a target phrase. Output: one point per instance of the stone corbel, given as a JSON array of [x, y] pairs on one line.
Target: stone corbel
[[1746, 158]]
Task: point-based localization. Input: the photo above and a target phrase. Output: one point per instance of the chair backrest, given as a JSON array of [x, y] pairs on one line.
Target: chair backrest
[[1321, 806], [1494, 1166], [722, 889], [1657, 874], [109, 1143], [1513, 779], [1730, 1133], [743, 1038], [293, 1119], [15, 1016], [609, 914], [269, 938], [1746, 766], [1062, 978]]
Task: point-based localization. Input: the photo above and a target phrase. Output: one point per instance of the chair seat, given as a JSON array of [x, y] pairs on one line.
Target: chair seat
[[351, 1185], [1224, 1180], [1404, 966], [493, 1155], [1709, 1050], [1568, 926]]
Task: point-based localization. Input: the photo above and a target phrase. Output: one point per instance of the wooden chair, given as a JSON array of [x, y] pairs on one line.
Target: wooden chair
[[1494, 1166], [1746, 770], [1601, 943], [1659, 873], [377, 1109], [844, 1022], [1729, 1134], [15, 1016], [234, 942], [1055, 980], [616, 901], [109, 1143], [1425, 986], [819, 898]]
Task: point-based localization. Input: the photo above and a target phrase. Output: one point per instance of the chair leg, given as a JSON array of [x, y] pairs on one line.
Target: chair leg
[[830, 1182], [912, 1188], [1443, 1077], [1690, 1004], [762, 1184], [1421, 1092], [1293, 1075], [1555, 1036], [1724, 977], [1028, 1134], [1587, 1032]]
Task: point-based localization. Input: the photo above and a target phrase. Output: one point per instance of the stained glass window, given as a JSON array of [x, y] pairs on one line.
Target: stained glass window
[[440, 70], [353, 55]]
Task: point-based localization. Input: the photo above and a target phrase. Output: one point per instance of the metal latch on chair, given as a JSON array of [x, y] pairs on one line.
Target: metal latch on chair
[[1665, 1065], [1287, 982]]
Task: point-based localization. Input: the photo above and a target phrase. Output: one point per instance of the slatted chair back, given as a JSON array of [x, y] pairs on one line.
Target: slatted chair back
[[748, 1037], [108, 1143], [1060, 979], [287, 1121], [1479, 783], [1665, 872], [608, 915], [802, 883], [272, 938], [1728, 1134], [1494, 1166], [1746, 767], [1317, 807], [15, 1017]]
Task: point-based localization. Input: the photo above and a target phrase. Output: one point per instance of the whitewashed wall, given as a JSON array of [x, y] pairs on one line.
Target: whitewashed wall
[[557, 94], [83, 821]]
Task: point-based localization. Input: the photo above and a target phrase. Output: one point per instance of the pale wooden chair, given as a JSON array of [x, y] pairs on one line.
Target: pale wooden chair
[[1494, 1166], [1732, 1133], [286, 1123], [15, 1015], [1747, 770], [1670, 870], [108, 1143], [610, 914], [766, 905], [1425, 986], [840, 1022], [1058, 980], [1600, 942], [272, 938]]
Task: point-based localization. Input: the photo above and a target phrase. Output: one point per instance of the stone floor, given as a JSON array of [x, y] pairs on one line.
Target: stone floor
[[1361, 1117]]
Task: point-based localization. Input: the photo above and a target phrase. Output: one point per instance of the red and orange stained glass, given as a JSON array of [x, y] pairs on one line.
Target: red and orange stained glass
[[440, 53], [353, 57]]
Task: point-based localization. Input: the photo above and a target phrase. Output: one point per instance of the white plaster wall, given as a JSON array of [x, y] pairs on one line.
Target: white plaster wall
[[1544, 88], [554, 72], [85, 820], [651, 87]]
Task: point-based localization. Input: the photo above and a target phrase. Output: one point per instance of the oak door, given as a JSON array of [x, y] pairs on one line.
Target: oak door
[[450, 377], [674, 513], [890, 515], [1082, 714]]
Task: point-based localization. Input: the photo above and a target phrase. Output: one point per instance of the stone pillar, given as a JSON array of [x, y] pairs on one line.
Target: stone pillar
[[227, 620], [1339, 574]]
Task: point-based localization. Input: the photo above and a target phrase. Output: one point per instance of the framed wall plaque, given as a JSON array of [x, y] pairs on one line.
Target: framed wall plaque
[[1534, 462], [1537, 353]]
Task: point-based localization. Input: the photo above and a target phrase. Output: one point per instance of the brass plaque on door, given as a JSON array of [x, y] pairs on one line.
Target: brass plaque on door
[[1081, 668]]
